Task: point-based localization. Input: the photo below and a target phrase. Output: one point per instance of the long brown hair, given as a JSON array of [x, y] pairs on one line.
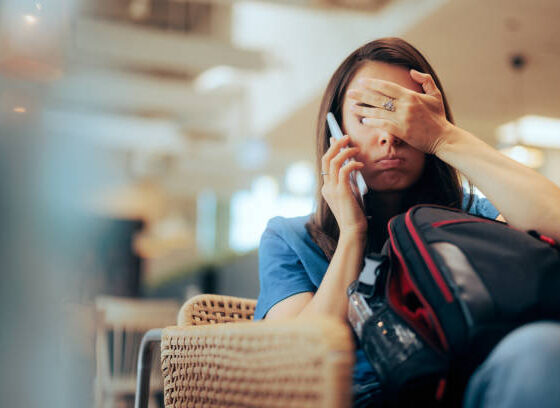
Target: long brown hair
[[439, 183]]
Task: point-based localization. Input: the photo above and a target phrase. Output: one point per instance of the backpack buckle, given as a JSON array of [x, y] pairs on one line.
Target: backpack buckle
[[368, 276]]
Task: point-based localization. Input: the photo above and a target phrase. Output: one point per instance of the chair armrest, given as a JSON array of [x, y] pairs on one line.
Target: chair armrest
[[279, 363], [208, 309]]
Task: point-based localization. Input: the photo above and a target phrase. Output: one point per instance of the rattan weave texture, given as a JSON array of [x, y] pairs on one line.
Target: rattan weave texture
[[279, 363], [210, 309]]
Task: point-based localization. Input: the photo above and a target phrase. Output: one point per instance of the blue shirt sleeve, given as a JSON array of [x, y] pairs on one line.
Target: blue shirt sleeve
[[481, 206], [281, 271]]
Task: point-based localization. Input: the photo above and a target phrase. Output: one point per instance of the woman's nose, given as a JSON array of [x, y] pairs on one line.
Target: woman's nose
[[389, 139]]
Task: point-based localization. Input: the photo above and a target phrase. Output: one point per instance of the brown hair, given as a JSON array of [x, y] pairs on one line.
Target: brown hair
[[439, 183]]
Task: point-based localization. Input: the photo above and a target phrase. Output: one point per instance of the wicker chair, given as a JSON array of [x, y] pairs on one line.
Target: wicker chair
[[207, 361]]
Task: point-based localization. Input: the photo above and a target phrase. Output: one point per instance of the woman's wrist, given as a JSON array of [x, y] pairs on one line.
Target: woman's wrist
[[353, 237], [452, 138]]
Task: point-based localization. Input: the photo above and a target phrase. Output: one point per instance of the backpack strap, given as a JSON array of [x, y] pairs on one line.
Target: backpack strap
[[368, 285], [374, 266]]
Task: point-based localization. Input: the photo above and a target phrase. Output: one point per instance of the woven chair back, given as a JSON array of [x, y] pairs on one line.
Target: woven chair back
[[212, 309]]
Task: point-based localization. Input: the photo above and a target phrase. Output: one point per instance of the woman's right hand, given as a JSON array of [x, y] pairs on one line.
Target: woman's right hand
[[337, 190]]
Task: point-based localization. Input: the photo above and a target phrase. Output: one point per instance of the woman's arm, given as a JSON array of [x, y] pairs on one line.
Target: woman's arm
[[344, 268], [330, 298], [526, 199]]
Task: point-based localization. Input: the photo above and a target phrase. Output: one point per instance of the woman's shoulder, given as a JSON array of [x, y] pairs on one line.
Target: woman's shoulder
[[289, 263], [287, 227], [289, 235], [481, 206]]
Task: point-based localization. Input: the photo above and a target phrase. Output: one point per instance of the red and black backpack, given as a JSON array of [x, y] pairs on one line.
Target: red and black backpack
[[446, 288]]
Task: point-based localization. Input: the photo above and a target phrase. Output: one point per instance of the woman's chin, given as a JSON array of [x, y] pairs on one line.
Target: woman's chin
[[390, 181]]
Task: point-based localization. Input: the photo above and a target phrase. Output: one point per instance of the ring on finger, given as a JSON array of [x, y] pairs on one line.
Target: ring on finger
[[324, 173], [389, 105]]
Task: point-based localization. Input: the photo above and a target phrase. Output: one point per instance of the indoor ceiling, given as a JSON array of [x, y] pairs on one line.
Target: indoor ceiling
[[471, 44], [140, 61]]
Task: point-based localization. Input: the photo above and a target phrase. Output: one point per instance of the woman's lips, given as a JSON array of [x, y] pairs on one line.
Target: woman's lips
[[389, 163]]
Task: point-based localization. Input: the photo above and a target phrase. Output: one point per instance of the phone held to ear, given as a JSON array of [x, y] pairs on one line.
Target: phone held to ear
[[357, 182]]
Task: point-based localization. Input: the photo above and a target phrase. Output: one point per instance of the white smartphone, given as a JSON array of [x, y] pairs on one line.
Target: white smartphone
[[357, 181]]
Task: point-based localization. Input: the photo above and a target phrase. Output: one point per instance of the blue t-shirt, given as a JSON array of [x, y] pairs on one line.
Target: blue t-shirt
[[290, 263]]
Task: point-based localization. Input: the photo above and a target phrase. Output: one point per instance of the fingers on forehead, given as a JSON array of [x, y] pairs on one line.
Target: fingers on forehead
[[385, 87], [373, 99]]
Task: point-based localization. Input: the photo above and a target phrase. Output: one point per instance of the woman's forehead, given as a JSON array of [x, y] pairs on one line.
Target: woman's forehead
[[381, 70]]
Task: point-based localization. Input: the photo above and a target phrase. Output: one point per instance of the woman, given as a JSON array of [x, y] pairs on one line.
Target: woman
[[401, 135]]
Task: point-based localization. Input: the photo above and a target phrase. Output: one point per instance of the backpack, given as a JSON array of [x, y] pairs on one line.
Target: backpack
[[445, 289]]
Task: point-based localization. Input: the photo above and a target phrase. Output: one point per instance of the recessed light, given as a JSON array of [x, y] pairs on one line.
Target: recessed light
[[531, 130], [20, 109], [30, 19]]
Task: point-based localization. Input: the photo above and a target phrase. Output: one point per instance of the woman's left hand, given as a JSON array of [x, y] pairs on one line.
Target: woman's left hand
[[417, 118]]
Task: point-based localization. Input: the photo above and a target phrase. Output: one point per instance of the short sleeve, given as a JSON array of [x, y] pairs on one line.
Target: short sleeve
[[481, 206], [281, 272]]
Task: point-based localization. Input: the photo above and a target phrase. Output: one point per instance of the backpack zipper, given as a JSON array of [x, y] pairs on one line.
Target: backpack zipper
[[428, 259]]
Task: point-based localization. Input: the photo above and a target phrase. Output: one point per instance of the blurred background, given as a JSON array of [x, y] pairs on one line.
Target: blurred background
[[144, 144]]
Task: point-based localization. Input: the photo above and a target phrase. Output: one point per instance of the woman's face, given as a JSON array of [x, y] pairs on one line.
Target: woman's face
[[375, 143]]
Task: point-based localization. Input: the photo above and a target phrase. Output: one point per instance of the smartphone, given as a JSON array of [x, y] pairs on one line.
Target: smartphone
[[357, 182]]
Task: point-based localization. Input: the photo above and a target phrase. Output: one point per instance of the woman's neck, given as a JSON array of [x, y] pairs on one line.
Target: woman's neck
[[384, 205], [381, 206]]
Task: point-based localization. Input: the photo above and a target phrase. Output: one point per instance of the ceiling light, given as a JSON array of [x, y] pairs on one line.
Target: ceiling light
[[20, 109], [30, 19], [533, 130]]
